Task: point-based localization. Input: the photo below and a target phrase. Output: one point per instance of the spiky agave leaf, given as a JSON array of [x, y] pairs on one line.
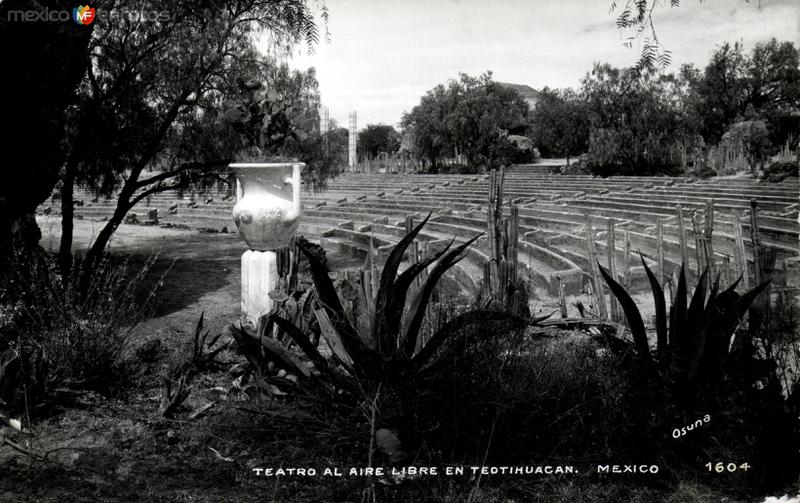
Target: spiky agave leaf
[[249, 348], [300, 339], [320, 363], [714, 291], [272, 346], [632, 314], [416, 312], [394, 310], [661, 310], [387, 320], [694, 339], [721, 320], [698, 302], [334, 339], [719, 340], [740, 307], [678, 313], [326, 293], [456, 328], [199, 338]]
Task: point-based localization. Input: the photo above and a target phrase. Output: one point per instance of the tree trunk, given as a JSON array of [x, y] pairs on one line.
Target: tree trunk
[[123, 206], [19, 232], [100, 243], [67, 216]]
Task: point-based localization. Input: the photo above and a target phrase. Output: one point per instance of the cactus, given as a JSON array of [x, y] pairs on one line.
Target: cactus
[[287, 264], [500, 276]]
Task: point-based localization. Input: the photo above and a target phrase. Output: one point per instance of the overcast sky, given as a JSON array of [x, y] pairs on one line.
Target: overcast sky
[[384, 54]]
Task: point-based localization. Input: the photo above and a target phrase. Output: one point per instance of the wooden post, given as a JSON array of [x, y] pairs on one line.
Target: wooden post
[[562, 298], [682, 237], [487, 280], [626, 258], [490, 216], [660, 250], [755, 237], [513, 243], [725, 274], [596, 281], [673, 285], [698, 243], [707, 239], [423, 254], [612, 265], [498, 215], [739, 252]]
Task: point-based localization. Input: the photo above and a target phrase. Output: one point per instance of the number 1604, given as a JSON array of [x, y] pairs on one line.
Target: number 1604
[[730, 467]]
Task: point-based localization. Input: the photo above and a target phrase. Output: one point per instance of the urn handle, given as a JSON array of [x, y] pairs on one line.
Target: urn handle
[[294, 180], [239, 191]]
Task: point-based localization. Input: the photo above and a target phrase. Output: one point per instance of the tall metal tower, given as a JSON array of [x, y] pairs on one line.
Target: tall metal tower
[[352, 159]]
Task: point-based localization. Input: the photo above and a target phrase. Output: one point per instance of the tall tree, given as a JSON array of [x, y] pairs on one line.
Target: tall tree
[[149, 81], [634, 122], [473, 115], [560, 123], [736, 86], [377, 138], [44, 63], [423, 126]]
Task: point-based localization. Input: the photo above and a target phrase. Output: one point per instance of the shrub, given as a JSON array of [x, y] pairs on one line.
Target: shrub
[[779, 171], [707, 364], [71, 331]]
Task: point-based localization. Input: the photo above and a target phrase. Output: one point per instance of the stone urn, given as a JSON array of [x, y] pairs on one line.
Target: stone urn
[[268, 207]]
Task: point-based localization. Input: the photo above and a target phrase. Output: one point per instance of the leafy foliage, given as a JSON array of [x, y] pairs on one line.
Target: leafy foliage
[[377, 138], [473, 115], [52, 332], [701, 346], [735, 86], [153, 94], [560, 123], [634, 125]]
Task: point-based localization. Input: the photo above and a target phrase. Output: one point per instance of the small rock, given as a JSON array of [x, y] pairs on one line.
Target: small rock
[[281, 373], [388, 443]]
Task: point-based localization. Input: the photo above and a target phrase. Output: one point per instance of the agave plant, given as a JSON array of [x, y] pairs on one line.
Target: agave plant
[[391, 351], [697, 343]]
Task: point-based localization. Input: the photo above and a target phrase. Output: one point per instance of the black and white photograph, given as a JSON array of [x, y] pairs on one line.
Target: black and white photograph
[[367, 251]]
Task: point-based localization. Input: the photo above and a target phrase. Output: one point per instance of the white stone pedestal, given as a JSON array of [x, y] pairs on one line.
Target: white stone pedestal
[[259, 277]]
